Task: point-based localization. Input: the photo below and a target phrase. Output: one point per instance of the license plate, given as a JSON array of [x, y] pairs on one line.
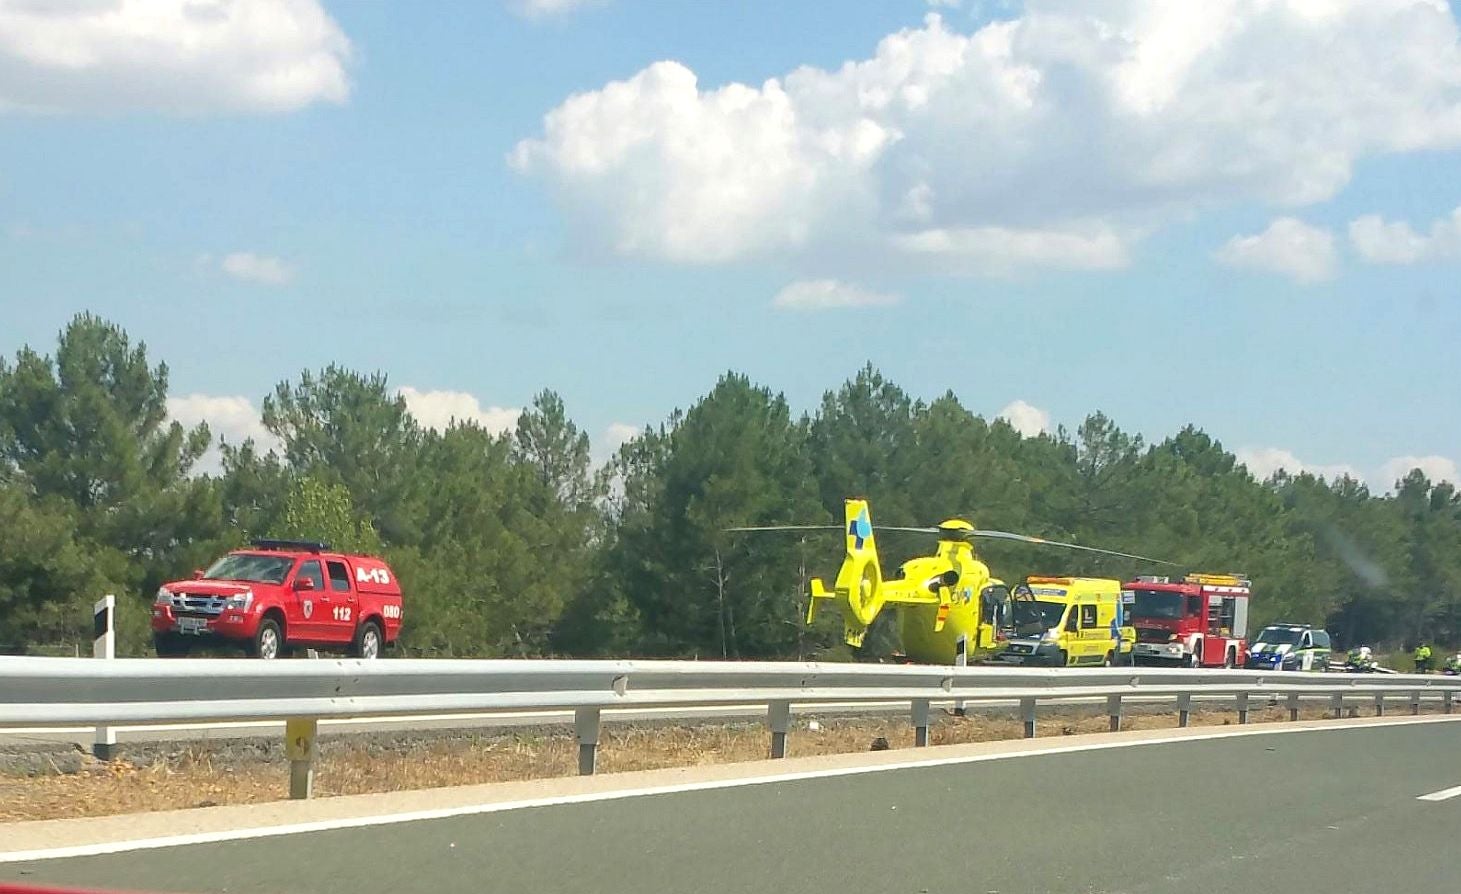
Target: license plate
[[1013, 659], [192, 625]]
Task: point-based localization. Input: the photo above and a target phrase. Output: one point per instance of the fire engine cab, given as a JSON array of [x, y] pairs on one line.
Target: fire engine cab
[[1198, 621]]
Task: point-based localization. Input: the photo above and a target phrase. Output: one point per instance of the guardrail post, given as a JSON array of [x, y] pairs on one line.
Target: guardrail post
[[1027, 711], [1293, 706], [586, 725], [1446, 701], [1379, 704], [1184, 709], [1113, 710], [1242, 708], [299, 747], [961, 659], [1415, 702], [1336, 705], [104, 645], [778, 717], [920, 722]]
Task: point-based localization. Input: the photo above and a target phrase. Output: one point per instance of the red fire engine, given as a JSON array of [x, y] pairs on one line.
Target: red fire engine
[[1198, 621]]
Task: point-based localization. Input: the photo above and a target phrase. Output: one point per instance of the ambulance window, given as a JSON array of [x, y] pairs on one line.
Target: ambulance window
[[1072, 619], [311, 570], [1088, 616], [1308, 641], [1321, 639], [339, 577]]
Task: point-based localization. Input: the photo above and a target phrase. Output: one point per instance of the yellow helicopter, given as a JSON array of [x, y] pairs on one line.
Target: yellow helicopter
[[948, 602]]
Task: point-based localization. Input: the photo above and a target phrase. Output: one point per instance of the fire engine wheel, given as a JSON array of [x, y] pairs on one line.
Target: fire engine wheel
[[1195, 659], [268, 640], [367, 641], [1229, 659]]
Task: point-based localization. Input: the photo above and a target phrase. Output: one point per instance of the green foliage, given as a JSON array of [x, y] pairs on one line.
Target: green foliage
[[516, 544], [317, 510], [351, 429]]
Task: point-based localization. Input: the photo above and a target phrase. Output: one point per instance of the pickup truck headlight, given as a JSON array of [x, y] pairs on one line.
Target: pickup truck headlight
[[240, 601], [163, 597]]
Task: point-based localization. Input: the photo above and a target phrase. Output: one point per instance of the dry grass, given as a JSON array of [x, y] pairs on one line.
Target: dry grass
[[207, 775]]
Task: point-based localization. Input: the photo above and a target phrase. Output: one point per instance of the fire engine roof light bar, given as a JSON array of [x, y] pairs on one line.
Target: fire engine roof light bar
[[308, 546]]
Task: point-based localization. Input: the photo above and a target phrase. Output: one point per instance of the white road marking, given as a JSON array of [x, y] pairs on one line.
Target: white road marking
[[1442, 795], [116, 847]]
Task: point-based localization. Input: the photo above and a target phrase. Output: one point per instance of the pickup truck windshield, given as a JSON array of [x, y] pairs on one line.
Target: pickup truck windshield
[[1279, 636], [256, 569], [1032, 617], [1158, 604]]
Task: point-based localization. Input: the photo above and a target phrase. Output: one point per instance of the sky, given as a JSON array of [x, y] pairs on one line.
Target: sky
[[1240, 214]]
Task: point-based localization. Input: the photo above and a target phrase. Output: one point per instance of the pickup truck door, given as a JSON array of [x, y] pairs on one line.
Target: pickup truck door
[[313, 604], [344, 605]]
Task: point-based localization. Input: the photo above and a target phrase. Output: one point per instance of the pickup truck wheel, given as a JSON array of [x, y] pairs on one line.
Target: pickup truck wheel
[[169, 646], [268, 640], [367, 641]]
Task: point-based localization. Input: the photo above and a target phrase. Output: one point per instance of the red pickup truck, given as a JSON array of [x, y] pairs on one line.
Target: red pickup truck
[[278, 595]]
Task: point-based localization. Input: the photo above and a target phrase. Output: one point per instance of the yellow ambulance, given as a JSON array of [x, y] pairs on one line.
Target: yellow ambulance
[[1068, 622]]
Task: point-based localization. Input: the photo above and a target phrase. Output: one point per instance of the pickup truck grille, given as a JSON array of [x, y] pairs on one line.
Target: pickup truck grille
[[197, 604]]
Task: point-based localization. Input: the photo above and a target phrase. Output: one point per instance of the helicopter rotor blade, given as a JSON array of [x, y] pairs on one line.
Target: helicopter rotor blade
[[1041, 541], [787, 528], [905, 530]]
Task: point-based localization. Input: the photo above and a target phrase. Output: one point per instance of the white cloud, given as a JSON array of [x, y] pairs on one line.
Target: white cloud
[[1102, 120], [230, 418], [1026, 419], [1262, 462], [174, 56], [261, 269], [620, 433], [439, 409], [616, 435], [1289, 247], [1004, 250], [1436, 468], [824, 294], [1383, 242], [542, 9]]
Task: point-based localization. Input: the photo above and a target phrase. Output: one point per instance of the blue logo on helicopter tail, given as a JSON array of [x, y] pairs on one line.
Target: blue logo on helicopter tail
[[860, 529]]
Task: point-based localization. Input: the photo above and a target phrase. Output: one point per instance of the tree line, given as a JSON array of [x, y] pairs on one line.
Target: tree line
[[519, 544]]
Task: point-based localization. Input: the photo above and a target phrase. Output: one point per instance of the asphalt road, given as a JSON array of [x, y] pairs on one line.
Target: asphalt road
[[1333, 810]]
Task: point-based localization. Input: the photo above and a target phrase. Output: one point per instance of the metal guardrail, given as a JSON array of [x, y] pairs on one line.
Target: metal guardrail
[[38, 691]]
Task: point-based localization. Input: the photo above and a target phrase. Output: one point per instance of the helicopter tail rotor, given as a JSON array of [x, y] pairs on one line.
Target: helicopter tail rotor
[[858, 589]]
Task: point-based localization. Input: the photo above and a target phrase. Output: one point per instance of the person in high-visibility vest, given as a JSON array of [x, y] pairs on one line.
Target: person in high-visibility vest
[[1422, 658]]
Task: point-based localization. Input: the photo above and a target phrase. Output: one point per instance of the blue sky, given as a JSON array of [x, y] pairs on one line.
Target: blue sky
[[1241, 215]]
